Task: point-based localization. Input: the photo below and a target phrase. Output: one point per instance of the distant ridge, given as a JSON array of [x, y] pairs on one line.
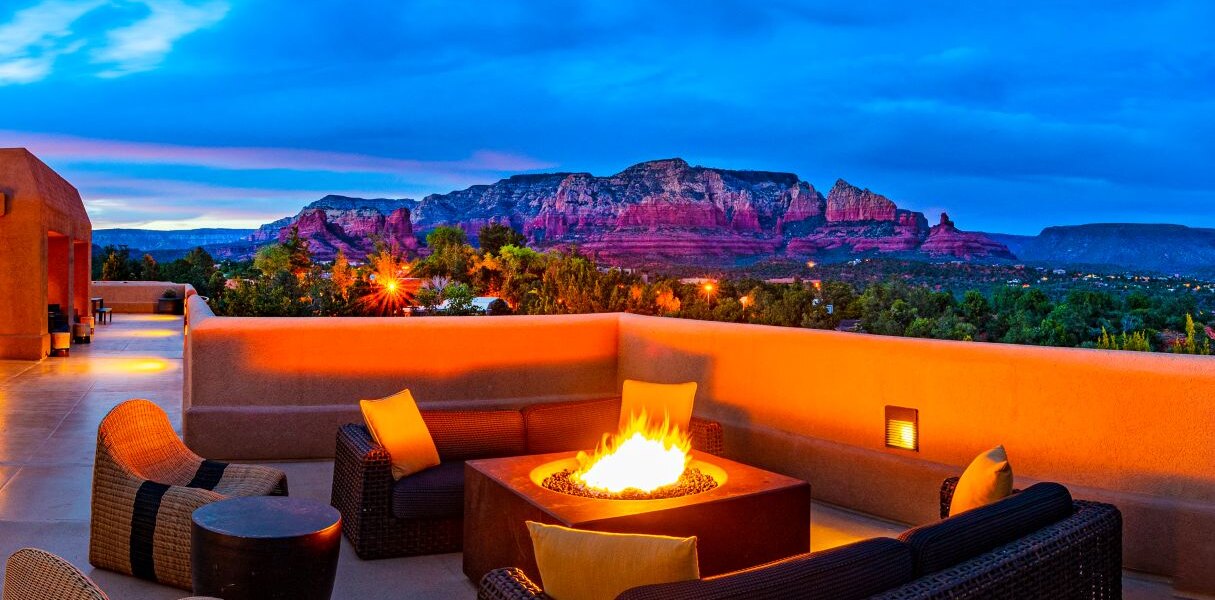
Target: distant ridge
[[1164, 248], [174, 239]]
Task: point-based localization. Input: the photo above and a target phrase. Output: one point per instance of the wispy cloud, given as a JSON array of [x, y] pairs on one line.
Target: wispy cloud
[[71, 148], [36, 36], [141, 45]]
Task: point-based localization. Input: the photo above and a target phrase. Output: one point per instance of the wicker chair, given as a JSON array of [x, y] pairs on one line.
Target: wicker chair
[[363, 486], [146, 485], [33, 574]]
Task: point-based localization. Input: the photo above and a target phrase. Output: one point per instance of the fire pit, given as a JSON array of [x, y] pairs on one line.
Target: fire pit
[[644, 461], [748, 517]]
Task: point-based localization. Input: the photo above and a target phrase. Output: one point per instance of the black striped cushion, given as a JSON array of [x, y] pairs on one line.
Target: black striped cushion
[[434, 493], [143, 528], [846, 573], [946, 543], [208, 475]]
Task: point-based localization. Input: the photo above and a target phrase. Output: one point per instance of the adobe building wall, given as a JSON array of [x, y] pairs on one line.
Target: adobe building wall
[[45, 242]]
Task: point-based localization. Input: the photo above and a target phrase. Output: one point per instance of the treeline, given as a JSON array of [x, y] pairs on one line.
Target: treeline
[[284, 280], [1018, 315], [197, 268]]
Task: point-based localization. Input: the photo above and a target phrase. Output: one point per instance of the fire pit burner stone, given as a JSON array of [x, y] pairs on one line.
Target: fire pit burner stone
[[692, 481]]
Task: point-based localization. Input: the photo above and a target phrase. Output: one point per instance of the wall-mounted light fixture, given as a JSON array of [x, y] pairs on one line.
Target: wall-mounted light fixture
[[902, 428]]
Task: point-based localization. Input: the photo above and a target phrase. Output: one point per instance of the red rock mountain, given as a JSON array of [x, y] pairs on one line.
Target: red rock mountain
[[352, 225], [945, 240], [663, 210]]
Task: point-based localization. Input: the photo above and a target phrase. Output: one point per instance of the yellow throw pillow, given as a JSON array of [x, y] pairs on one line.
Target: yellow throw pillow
[[657, 399], [987, 479], [591, 565], [396, 425]]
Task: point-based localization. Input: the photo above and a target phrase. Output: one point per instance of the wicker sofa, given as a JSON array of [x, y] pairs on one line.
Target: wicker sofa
[[1039, 543], [424, 513]]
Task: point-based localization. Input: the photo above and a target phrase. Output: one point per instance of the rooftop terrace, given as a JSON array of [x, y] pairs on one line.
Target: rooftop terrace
[[49, 412]]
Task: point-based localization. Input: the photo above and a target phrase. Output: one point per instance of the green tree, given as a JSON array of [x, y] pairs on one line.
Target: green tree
[[196, 268], [449, 253], [299, 256], [272, 259], [1192, 344], [341, 275], [149, 270], [459, 299], [118, 265], [496, 235]]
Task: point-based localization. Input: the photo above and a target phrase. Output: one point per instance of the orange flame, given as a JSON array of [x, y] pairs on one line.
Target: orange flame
[[644, 456]]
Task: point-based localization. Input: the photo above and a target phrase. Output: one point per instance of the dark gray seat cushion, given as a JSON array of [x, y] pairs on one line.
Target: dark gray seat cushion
[[946, 543], [434, 493], [849, 572]]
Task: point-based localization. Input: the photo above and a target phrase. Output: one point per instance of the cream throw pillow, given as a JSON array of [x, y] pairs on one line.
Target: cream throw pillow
[[396, 425], [672, 399], [987, 479], [592, 565]]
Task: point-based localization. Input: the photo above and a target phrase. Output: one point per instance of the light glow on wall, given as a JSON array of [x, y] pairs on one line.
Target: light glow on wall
[[902, 428]]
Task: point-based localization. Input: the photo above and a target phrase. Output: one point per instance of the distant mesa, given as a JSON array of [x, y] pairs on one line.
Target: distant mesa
[[656, 211]]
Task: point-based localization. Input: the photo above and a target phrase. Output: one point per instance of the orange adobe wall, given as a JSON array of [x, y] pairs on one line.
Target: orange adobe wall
[[1130, 428], [45, 252], [259, 388], [136, 296]]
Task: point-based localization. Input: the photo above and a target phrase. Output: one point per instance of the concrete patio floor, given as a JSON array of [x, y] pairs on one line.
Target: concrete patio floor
[[49, 412]]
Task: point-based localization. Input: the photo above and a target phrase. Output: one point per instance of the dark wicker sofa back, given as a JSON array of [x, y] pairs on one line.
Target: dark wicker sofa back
[[938, 546], [849, 572], [465, 434]]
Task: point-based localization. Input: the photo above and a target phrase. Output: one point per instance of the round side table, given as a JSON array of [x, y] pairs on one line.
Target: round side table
[[265, 547]]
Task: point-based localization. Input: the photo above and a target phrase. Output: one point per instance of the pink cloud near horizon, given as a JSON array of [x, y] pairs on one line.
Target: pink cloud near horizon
[[73, 148]]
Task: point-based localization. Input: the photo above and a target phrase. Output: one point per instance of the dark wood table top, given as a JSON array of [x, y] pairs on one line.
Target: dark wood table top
[[268, 517]]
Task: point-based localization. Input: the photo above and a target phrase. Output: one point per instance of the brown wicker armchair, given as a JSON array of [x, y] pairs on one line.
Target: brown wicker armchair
[[33, 574], [423, 513], [146, 485]]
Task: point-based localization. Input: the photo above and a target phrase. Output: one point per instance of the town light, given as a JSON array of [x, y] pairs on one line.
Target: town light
[[902, 428]]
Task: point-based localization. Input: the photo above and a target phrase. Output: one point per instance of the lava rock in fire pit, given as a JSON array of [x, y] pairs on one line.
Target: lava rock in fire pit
[[692, 481]]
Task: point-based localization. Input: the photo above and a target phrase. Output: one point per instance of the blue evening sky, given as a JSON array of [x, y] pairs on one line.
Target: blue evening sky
[[1010, 115]]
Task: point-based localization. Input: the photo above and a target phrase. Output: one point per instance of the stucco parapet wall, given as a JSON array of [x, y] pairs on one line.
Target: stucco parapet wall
[[137, 296], [1131, 428]]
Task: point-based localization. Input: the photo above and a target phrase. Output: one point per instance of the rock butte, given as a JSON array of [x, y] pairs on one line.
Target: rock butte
[[657, 210]]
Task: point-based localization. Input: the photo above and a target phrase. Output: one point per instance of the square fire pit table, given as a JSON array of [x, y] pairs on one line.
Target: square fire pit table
[[752, 517]]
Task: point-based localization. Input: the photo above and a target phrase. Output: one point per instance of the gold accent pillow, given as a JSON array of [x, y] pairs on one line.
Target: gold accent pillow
[[657, 399], [987, 479], [592, 565], [396, 425]]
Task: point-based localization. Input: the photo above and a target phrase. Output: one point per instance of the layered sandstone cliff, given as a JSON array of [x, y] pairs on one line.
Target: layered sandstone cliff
[[652, 211]]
